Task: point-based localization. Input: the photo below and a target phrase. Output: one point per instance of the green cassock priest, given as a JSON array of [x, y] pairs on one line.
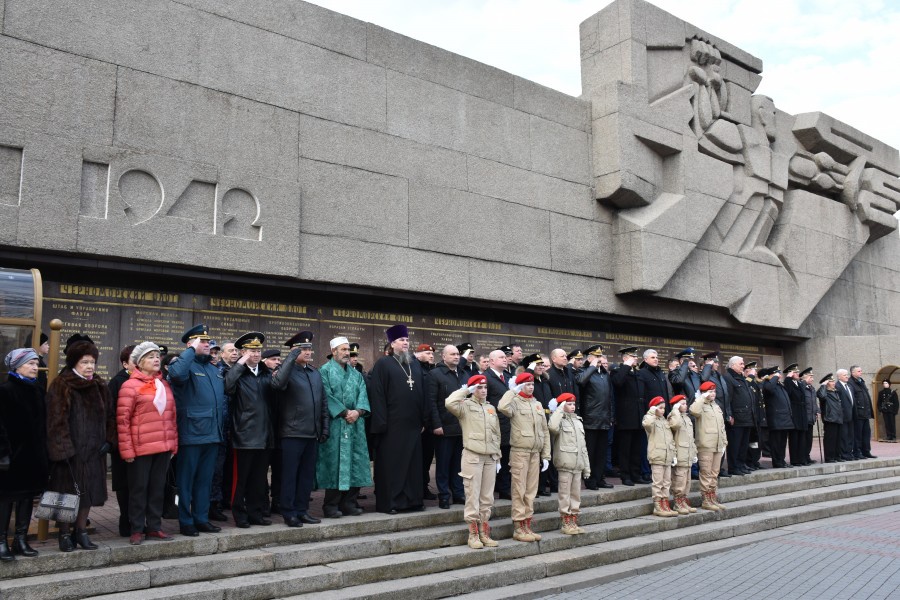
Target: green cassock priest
[[342, 466]]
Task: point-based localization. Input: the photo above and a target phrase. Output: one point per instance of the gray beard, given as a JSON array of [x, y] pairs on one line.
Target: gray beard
[[405, 358]]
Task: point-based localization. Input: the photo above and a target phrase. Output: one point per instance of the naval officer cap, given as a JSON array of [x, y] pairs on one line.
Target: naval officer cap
[[576, 353], [507, 350], [301, 340], [750, 365], [271, 352], [465, 347], [200, 331], [596, 350], [791, 368], [631, 351], [806, 371], [711, 356], [827, 378], [686, 353], [252, 340], [532, 359], [354, 349]]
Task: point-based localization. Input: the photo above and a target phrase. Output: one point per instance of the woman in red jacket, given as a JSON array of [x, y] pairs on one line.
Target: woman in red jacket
[[148, 437]]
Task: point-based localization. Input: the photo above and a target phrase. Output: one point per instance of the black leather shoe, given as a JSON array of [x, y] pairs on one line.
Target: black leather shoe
[[188, 530], [20, 545], [207, 528], [459, 501], [543, 493], [644, 481], [869, 455], [724, 474], [591, 485], [352, 511], [333, 514], [292, 522], [628, 482], [216, 514], [429, 495], [80, 538], [444, 503], [309, 520], [5, 554], [242, 524], [260, 521], [65, 543], [603, 485]]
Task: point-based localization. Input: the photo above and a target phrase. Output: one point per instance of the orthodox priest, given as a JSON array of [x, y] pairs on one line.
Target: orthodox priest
[[396, 389]]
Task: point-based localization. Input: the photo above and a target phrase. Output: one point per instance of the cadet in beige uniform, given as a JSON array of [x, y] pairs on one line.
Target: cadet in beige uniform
[[711, 443], [685, 453], [529, 451], [480, 455], [570, 459], [660, 455]]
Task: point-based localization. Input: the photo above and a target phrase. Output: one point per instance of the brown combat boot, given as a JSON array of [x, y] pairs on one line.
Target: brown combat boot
[[709, 503], [668, 507], [568, 526], [474, 541], [520, 532], [574, 521], [659, 510], [678, 507], [485, 536], [683, 502], [715, 498], [536, 536]]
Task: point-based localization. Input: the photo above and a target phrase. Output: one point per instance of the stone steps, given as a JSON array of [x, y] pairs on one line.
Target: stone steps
[[481, 583], [395, 550]]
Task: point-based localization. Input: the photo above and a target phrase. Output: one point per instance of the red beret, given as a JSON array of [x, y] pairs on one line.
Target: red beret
[[566, 397], [707, 385], [524, 377], [424, 348], [477, 380], [657, 401], [677, 398]]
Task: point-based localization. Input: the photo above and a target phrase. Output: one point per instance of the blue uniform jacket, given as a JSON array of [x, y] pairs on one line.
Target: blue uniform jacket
[[199, 390]]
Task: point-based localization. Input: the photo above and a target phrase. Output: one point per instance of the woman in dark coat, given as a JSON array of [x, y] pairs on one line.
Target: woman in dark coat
[[81, 428], [23, 439]]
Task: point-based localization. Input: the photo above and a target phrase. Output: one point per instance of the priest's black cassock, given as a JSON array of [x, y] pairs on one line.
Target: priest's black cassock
[[398, 415]]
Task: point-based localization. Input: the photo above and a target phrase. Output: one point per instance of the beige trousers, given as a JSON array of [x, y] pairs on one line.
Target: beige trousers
[[524, 467], [479, 472], [709, 470], [569, 492], [681, 481], [662, 481]]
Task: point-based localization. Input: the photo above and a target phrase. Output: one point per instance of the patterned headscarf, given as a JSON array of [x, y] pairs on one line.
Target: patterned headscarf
[[19, 357]]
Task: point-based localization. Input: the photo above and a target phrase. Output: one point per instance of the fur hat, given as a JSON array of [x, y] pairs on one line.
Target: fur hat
[[80, 349]]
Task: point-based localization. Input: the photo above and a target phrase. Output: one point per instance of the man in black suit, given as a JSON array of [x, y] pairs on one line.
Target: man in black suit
[[498, 384], [847, 402], [862, 405]]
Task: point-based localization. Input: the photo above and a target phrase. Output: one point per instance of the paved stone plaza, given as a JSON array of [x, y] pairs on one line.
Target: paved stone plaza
[[853, 557]]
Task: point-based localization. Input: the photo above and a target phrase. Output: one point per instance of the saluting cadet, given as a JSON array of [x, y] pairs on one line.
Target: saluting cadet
[[571, 460], [711, 443], [660, 454], [685, 453]]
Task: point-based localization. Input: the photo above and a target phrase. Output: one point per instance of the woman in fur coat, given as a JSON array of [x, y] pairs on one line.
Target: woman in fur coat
[[81, 429]]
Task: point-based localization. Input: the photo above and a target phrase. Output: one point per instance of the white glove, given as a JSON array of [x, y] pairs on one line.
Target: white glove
[[545, 464], [675, 462], [694, 461], [195, 343], [552, 404], [516, 388], [471, 388], [498, 467]]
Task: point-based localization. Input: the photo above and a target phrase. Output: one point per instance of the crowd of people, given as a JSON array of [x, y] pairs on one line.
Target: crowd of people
[[234, 426]]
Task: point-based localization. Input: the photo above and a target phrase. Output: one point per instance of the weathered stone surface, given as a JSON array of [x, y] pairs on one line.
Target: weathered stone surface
[[57, 586], [434, 114], [424, 61], [191, 122], [559, 151], [301, 21], [183, 570], [581, 246], [434, 224], [379, 203], [435, 274], [180, 42], [332, 142], [496, 280], [555, 106], [56, 93]]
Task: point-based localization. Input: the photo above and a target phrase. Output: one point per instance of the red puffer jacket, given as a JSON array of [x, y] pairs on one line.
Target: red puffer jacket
[[142, 430]]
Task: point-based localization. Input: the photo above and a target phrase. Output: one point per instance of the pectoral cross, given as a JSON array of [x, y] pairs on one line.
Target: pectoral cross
[[410, 381]]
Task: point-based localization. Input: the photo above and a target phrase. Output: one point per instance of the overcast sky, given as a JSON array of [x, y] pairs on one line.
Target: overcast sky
[[835, 56]]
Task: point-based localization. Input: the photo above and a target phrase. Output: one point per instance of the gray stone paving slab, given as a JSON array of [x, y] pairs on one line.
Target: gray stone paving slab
[[852, 556]]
